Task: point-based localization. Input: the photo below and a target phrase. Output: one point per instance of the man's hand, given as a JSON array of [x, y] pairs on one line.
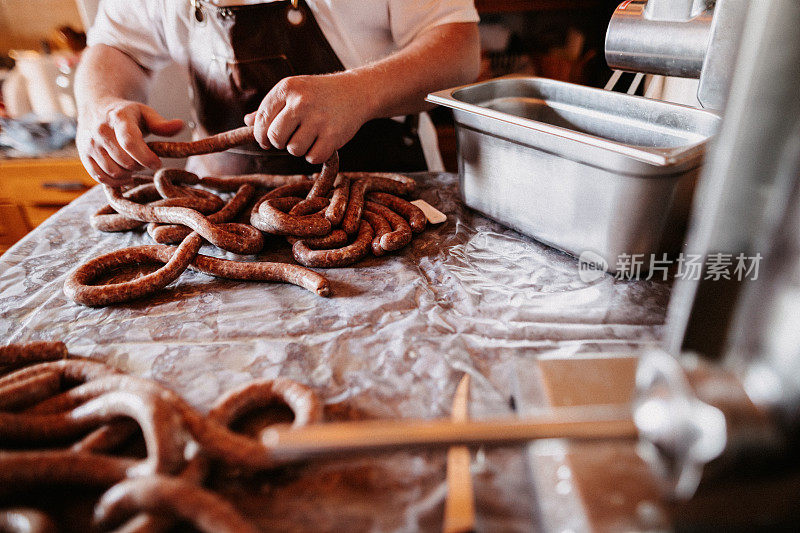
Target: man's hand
[[110, 139], [311, 116]]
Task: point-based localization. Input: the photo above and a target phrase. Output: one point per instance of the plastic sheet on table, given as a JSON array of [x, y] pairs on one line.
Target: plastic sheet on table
[[466, 296]]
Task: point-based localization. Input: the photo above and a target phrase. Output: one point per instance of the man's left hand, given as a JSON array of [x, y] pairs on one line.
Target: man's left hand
[[311, 116]]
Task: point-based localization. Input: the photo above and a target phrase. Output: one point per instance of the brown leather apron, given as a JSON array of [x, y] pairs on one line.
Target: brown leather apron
[[237, 54]]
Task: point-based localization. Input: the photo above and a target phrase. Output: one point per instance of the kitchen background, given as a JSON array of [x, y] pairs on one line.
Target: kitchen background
[[40, 41]]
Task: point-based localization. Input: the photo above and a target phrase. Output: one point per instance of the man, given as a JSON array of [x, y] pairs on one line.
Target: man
[[312, 77]]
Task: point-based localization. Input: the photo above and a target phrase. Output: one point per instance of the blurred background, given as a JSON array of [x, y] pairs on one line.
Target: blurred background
[[559, 39]]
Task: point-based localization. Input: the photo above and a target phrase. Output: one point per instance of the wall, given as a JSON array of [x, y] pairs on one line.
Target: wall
[[23, 23]]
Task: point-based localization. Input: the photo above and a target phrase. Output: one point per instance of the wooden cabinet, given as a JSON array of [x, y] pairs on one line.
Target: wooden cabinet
[[33, 189], [12, 225]]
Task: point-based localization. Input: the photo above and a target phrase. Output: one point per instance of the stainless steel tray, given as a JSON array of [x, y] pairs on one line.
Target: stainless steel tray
[[578, 168]]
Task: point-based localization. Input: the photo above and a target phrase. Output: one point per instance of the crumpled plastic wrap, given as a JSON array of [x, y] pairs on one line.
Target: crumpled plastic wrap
[[466, 296]]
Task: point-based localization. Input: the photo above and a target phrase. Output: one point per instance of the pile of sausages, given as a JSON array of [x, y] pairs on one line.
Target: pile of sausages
[[338, 219], [69, 422], [334, 219]]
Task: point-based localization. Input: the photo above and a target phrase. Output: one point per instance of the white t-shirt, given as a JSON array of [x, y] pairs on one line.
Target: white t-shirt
[[153, 32]]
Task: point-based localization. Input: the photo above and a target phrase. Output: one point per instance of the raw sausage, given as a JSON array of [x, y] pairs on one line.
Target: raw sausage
[[273, 218], [339, 199], [32, 352], [215, 143], [78, 285], [365, 185], [339, 257], [336, 239], [160, 494], [174, 233], [380, 227], [264, 181], [244, 241], [401, 231], [414, 215], [324, 183]]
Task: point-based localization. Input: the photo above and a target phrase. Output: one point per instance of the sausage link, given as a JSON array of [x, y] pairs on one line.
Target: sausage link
[[72, 398], [216, 441], [415, 216], [106, 438], [45, 468], [262, 181], [248, 398], [362, 186], [336, 239], [308, 207], [201, 205], [215, 143], [21, 394], [167, 180], [408, 184], [32, 352], [339, 198], [292, 190], [299, 189], [103, 384], [263, 271], [195, 473], [245, 242], [107, 219], [400, 235], [174, 233], [160, 422], [284, 203], [70, 371], [344, 256], [237, 403], [355, 207], [319, 188], [324, 183], [380, 227], [272, 218], [77, 287], [167, 233], [160, 494]]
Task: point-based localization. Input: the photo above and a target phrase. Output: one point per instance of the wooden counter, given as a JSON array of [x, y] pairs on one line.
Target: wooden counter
[[32, 189]]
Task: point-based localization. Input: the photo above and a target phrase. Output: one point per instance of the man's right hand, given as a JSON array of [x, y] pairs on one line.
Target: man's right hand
[[110, 139]]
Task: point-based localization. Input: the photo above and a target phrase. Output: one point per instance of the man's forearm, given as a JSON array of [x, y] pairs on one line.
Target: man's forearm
[[445, 56], [105, 73]]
